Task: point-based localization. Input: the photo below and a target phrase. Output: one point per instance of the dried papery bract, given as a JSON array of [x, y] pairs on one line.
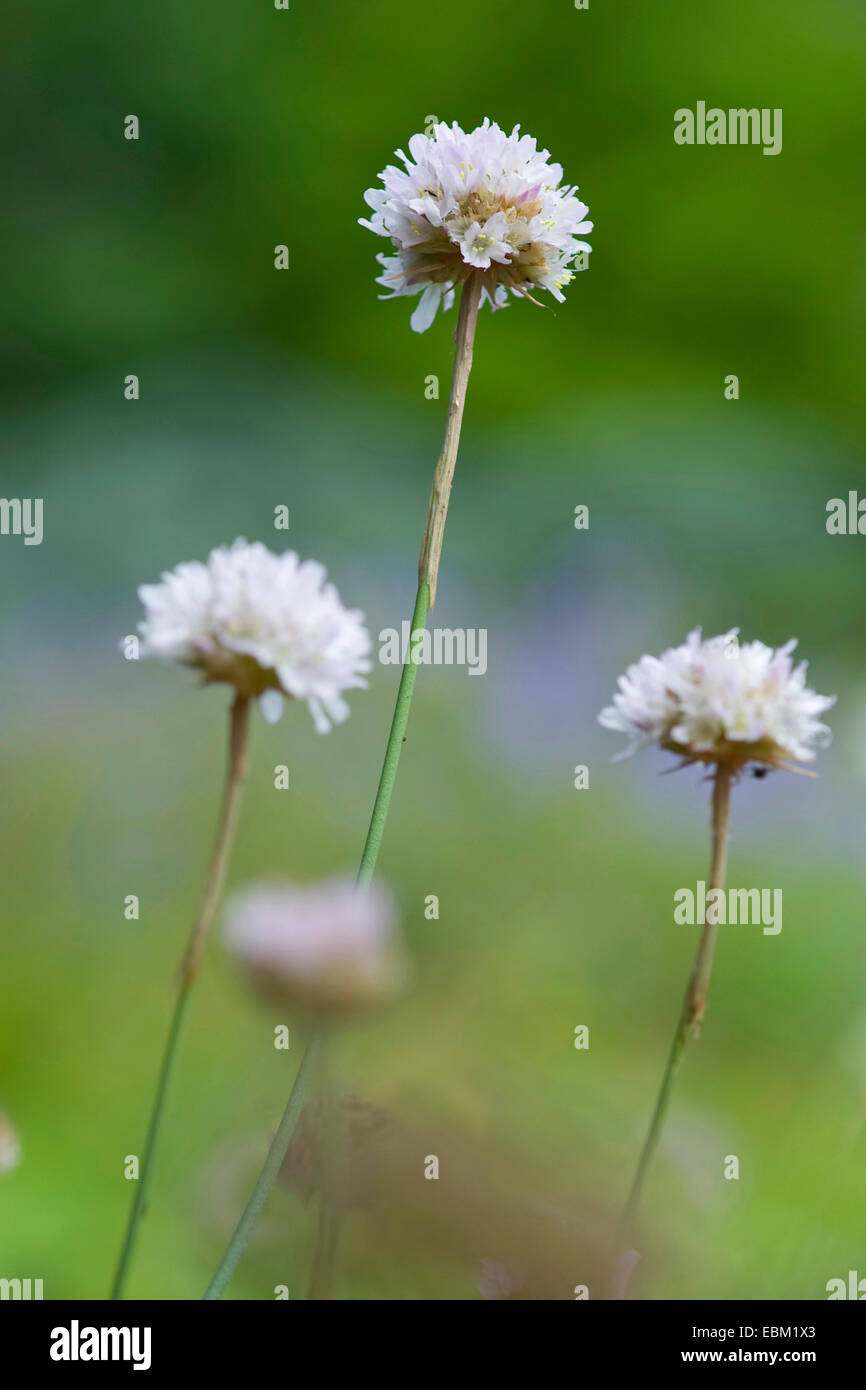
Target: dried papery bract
[[270, 627], [728, 706]]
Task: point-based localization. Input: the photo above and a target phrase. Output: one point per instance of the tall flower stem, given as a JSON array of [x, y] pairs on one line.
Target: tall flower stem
[[394, 747], [428, 574], [695, 1000], [268, 1176], [239, 720], [428, 568], [332, 1179], [437, 511]]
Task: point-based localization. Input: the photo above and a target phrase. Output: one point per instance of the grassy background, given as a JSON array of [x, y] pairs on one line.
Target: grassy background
[[259, 388]]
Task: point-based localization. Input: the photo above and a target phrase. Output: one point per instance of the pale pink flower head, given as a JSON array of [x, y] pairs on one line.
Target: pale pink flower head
[[324, 948], [481, 202]]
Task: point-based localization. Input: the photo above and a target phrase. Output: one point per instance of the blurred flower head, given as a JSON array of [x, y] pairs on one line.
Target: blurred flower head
[[483, 201], [500, 1282], [497, 1219], [10, 1148], [270, 625], [717, 701], [325, 948]]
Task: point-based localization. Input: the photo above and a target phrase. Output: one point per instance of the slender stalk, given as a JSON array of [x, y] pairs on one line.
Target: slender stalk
[[239, 719], [428, 569], [325, 1253], [437, 511], [428, 573], [239, 730], [695, 999], [394, 747], [268, 1176], [332, 1178]]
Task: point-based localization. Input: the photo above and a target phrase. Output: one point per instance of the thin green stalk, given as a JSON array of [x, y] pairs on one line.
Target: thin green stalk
[[396, 739], [332, 1180], [694, 1004], [428, 573], [268, 1176], [325, 1253], [428, 567], [236, 772], [139, 1203]]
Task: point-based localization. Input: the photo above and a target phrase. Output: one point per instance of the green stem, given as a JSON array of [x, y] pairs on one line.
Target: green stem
[[268, 1176], [139, 1203], [235, 775], [428, 567], [428, 573], [396, 739], [694, 1004], [332, 1178], [325, 1254]]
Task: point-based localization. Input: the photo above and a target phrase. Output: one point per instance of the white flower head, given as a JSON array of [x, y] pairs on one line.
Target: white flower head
[[483, 201], [717, 701], [325, 948], [270, 625]]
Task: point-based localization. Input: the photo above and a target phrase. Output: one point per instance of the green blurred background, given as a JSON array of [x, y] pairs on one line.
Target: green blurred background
[[260, 388]]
